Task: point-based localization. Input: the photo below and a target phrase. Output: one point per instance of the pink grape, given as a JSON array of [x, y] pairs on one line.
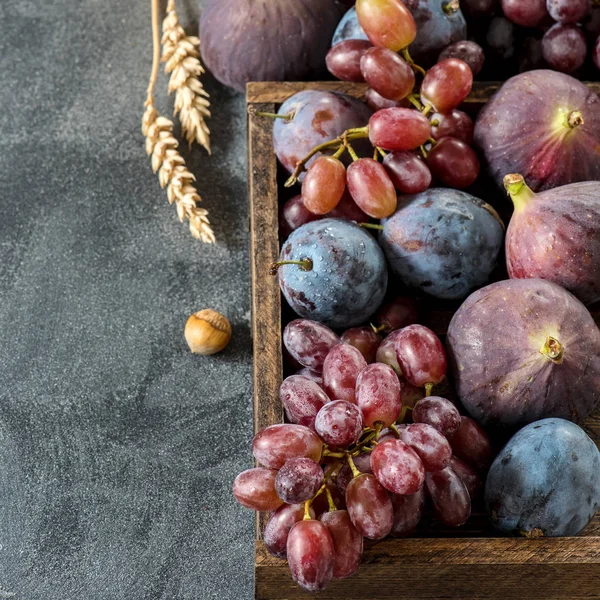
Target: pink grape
[[340, 371], [408, 171], [388, 74], [430, 445], [277, 443], [468, 476], [310, 555], [408, 511], [349, 210], [316, 377], [255, 489], [386, 353], [454, 163], [292, 215], [376, 101], [343, 59], [378, 395], [363, 339], [339, 424], [569, 11], [526, 13], [362, 462], [397, 467], [278, 527], [371, 188], [449, 496], [446, 85], [387, 23], [399, 312], [309, 342], [347, 542], [472, 444], [439, 413], [421, 355], [324, 185], [456, 124], [398, 129], [369, 506], [298, 480], [302, 399]]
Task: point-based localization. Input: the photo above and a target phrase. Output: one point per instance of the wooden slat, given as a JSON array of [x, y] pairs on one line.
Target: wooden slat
[[268, 91]]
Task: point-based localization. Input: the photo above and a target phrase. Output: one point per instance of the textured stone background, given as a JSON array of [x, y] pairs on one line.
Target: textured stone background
[[117, 446]]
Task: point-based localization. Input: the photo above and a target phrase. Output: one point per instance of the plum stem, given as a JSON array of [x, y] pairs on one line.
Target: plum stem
[[372, 226], [520, 193], [288, 117], [553, 350], [305, 265], [451, 7], [574, 119]]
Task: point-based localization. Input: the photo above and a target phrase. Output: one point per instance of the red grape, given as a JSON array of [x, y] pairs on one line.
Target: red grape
[[278, 527], [362, 462], [408, 511], [564, 48], [371, 188], [468, 476], [347, 542], [255, 489], [302, 399], [408, 171], [277, 443], [454, 163], [386, 353], [309, 342], [298, 480], [397, 467], [449, 495], [526, 13], [348, 209], [421, 355], [387, 73], [467, 51], [397, 313], [316, 377], [340, 371], [472, 444], [324, 185], [376, 101], [378, 395], [294, 214], [455, 124], [430, 445], [369, 506], [399, 128], [339, 424], [387, 23], [596, 53], [311, 555], [343, 59], [439, 413], [363, 339], [446, 85], [569, 11]]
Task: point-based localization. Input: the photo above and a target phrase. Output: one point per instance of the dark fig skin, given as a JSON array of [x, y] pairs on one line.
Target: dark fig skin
[[521, 350], [544, 125], [266, 40], [347, 279], [545, 482], [555, 235], [444, 242]]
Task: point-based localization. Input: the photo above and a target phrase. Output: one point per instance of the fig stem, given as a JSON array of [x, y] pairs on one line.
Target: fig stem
[[574, 119], [411, 62], [520, 193], [355, 471], [553, 350], [305, 265], [330, 501], [372, 226]]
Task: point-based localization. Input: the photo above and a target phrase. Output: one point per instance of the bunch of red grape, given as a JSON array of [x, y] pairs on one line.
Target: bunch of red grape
[[365, 445], [416, 129]]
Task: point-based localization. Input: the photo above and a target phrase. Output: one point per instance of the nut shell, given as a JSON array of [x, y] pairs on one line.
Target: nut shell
[[207, 332]]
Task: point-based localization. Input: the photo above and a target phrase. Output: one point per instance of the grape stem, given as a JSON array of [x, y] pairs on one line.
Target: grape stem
[[305, 265], [378, 329], [413, 100], [333, 454], [381, 151], [372, 226], [340, 151], [330, 501], [427, 109], [412, 63], [432, 141], [423, 151], [395, 429], [428, 388], [355, 471], [307, 516], [403, 412]]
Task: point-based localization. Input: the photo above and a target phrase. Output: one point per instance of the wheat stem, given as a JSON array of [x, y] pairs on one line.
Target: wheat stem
[[161, 145]]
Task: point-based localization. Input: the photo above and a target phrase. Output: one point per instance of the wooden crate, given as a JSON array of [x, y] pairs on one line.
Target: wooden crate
[[466, 563]]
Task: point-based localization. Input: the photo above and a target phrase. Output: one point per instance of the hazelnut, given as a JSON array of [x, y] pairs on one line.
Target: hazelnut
[[207, 332]]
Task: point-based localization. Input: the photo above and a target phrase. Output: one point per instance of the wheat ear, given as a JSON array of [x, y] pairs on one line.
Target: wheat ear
[[161, 145], [182, 60]]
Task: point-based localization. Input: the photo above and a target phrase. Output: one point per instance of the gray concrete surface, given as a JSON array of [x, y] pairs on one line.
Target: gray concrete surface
[[117, 446]]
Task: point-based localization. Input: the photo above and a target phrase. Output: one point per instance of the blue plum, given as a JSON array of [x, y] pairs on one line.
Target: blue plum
[[438, 26], [442, 241], [344, 277], [316, 117], [546, 481]]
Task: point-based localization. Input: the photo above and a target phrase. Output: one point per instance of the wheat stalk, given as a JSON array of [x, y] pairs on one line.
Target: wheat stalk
[[162, 146], [182, 60]]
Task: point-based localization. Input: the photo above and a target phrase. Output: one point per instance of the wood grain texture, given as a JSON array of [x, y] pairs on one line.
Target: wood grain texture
[[268, 91], [462, 564]]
